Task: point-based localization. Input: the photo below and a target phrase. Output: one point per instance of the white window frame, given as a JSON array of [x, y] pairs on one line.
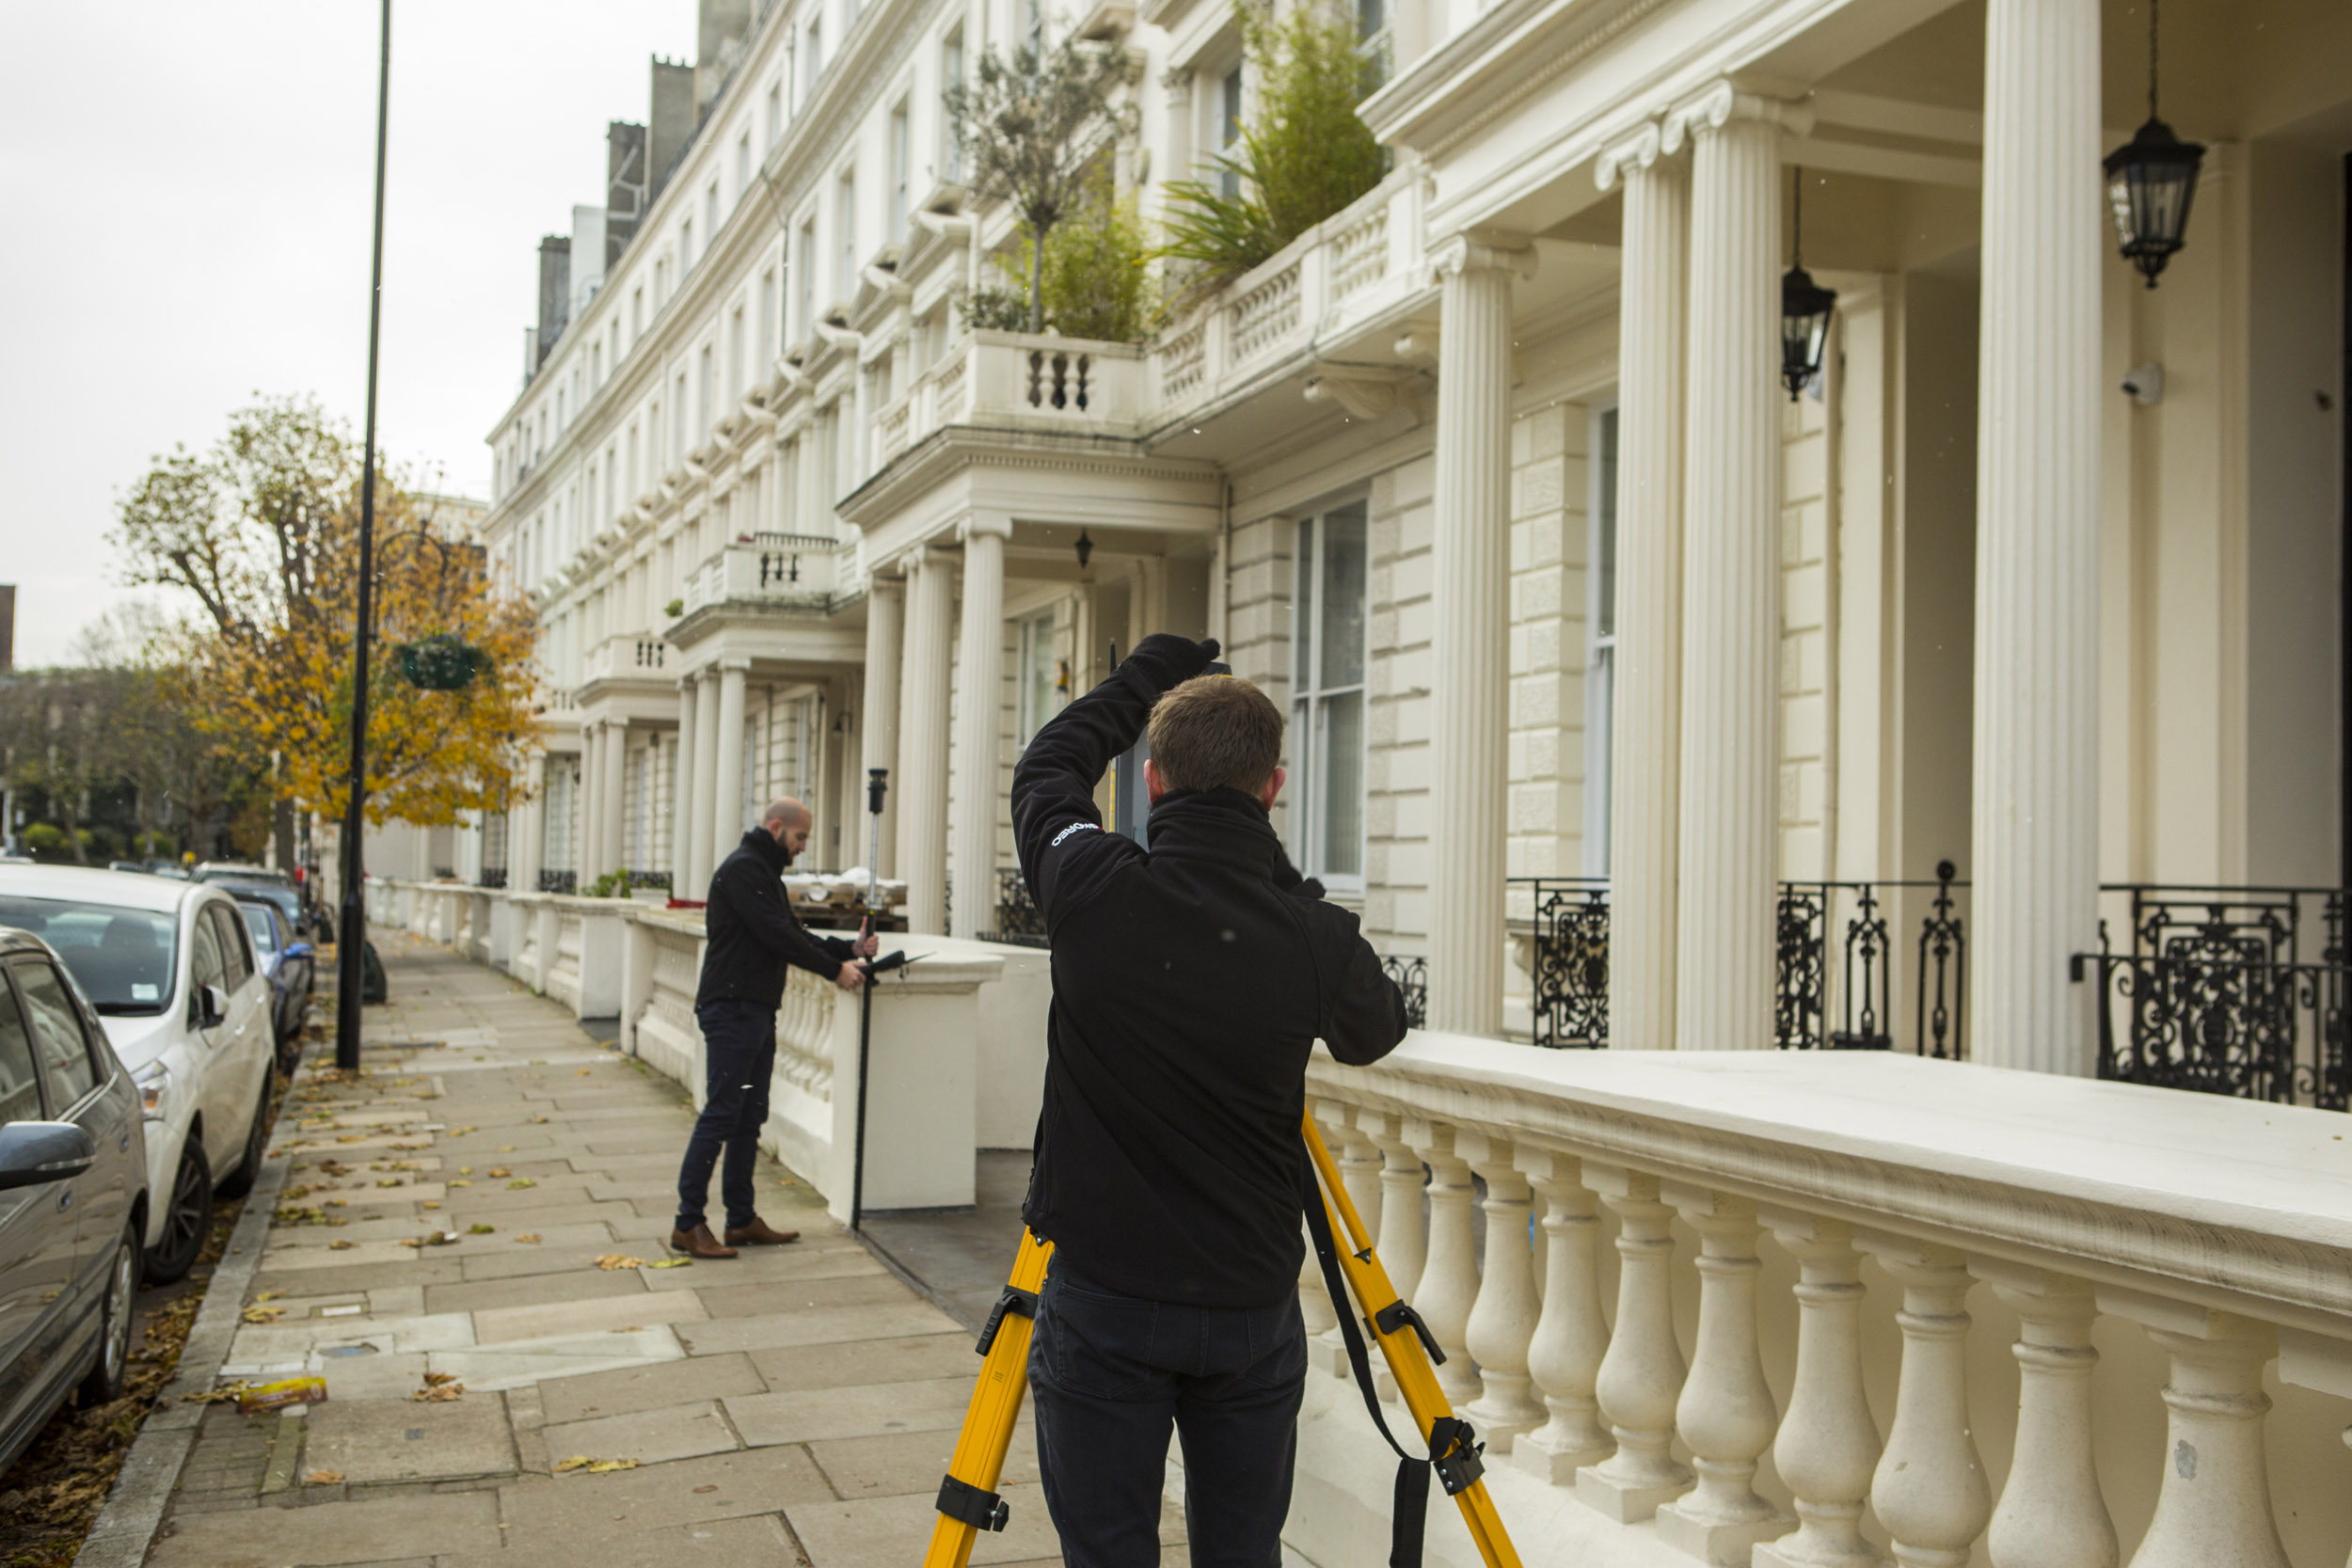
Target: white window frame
[[950, 74], [845, 242], [1039, 636], [901, 160], [1600, 611], [1309, 586]]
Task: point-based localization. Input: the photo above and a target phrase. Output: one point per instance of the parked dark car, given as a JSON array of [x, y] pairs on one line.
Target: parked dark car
[[73, 1195], [290, 966], [284, 895]]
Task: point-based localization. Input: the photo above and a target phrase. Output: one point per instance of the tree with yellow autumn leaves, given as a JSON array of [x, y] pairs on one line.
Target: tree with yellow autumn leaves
[[263, 531]]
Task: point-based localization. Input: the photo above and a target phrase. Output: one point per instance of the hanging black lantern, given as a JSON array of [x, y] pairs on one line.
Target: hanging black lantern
[[1805, 310], [2151, 179], [441, 663], [1085, 549]]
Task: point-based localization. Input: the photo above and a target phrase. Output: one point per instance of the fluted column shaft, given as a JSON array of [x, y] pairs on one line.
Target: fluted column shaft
[[1728, 839], [682, 883], [1472, 624], [980, 705], [615, 803], [588, 857], [922, 740], [885, 612], [2035, 822], [726, 796], [1645, 700], [706, 772]]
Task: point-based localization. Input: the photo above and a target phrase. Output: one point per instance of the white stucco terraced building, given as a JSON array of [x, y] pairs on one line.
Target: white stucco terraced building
[[1637, 700]]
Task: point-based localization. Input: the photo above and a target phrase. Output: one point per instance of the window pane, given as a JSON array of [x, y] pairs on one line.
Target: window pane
[[57, 1031], [205, 961], [236, 961], [1343, 583], [1341, 792], [1303, 610], [122, 959], [20, 1093], [1299, 742], [257, 922]]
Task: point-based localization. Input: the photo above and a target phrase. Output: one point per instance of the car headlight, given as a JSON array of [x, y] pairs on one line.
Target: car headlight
[[154, 1083]]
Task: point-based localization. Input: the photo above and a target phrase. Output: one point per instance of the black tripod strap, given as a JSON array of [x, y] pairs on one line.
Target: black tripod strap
[[1411, 1513]]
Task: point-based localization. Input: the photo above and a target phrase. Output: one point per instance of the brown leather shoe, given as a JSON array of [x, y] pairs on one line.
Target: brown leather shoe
[[699, 1243], [759, 1234]]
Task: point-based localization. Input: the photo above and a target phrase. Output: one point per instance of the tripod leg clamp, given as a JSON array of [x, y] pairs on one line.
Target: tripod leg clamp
[[1016, 1301], [967, 1504], [1454, 1454], [1399, 1314]]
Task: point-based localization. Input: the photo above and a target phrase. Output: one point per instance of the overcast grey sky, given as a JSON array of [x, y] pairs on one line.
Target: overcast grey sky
[[187, 187]]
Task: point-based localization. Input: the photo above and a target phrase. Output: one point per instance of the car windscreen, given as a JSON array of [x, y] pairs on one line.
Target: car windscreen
[[257, 922], [122, 959]]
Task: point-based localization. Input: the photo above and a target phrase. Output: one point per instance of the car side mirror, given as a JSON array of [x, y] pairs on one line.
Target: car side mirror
[[211, 1006], [299, 950], [33, 1153]]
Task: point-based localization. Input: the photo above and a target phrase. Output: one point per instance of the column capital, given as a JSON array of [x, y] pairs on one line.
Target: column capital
[[984, 522], [734, 666], [1720, 103], [1639, 149], [1483, 250]]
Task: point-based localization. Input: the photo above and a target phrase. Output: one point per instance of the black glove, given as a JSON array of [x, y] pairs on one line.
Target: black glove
[[1167, 661]]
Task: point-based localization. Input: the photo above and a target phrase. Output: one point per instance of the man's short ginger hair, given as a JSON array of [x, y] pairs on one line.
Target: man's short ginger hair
[[1217, 732]]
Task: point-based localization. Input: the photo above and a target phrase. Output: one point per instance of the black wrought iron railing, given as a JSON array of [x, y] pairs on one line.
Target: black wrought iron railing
[[559, 881], [1018, 921], [649, 879], [492, 876], [1838, 963], [2232, 990], [1412, 974]]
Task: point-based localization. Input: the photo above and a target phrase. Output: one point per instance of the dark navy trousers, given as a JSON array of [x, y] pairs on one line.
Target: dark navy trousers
[[739, 1057], [1111, 1375]]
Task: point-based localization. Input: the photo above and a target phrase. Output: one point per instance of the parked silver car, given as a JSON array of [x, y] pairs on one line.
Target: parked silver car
[[72, 1196], [171, 968]]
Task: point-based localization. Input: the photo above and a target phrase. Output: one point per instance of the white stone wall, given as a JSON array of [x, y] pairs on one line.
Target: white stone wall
[[1550, 639], [1806, 648], [1397, 829]]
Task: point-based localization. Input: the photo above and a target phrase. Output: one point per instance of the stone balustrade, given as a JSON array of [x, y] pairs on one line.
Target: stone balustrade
[[1784, 1309], [802, 569]]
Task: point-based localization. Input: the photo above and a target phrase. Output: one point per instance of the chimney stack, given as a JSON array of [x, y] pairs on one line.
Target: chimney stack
[[7, 626], [671, 125], [626, 179], [555, 287], [725, 28]]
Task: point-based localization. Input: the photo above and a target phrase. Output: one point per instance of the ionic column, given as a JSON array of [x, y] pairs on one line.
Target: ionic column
[[1645, 704], [1448, 1287], [2035, 822], [706, 774], [980, 708], [1725, 1413], [586, 859], [922, 740], [2051, 1513], [726, 797], [1570, 1336], [682, 796], [1641, 1376], [1930, 1489], [2213, 1506], [1469, 636], [1828, 1443], [1729, 838], [1502, 1319], [613, 799], [885, 614]]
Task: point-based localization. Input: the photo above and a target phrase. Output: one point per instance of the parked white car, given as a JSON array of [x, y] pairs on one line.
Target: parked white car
[[170, 969]]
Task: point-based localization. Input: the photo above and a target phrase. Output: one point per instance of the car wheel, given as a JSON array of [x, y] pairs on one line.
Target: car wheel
[[187, 1214], [240, 1182], [105, 1379]]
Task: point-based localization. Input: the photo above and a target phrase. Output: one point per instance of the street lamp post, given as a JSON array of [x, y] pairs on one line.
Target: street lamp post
[[352, 934]]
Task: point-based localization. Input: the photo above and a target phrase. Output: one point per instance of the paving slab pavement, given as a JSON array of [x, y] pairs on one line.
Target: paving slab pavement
[[795, 1407]]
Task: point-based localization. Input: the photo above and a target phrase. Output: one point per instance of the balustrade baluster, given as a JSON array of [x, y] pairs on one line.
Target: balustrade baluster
[[1570, 1336], [1641, 1376], [1315, 1296], [2051, 1515], [1725, 1413], [1449, 1275], [2215, 1503], [1828, 1443], [1930, 1489], [1359, 1174], [1403, 1236], [1504, 1319]]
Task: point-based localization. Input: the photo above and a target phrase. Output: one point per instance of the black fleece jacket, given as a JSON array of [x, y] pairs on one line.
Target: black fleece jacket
[[1190, 983], [751, 933]]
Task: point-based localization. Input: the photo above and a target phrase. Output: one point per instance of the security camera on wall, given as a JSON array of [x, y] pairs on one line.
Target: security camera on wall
[[2145, 383]]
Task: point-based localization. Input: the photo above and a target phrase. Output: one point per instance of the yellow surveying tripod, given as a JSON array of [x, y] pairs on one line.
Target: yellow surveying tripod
[[968, 1502]]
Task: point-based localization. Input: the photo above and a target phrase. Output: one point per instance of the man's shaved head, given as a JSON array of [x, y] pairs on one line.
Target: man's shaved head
[[785, 812]]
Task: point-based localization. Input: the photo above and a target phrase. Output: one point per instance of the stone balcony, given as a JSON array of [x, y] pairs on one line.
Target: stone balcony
[[628, 656], [795, 570], [1017, 381], [1754, 1307]]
